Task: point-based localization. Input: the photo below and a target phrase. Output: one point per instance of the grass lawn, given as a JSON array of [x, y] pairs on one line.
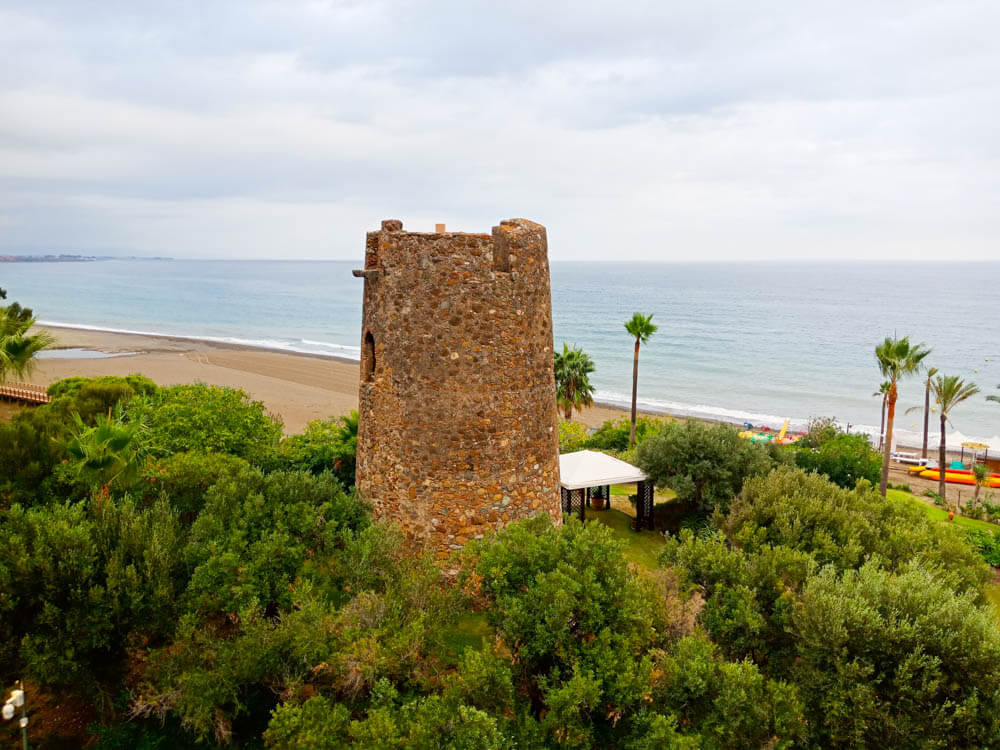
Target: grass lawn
[[660, 496], [641, 547], [940, 514]]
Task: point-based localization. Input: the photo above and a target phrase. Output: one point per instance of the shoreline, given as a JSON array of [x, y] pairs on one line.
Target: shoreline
[[180, 339], [296, 386]]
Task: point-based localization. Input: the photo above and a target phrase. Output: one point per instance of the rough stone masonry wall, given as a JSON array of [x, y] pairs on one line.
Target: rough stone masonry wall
[[458, 427]]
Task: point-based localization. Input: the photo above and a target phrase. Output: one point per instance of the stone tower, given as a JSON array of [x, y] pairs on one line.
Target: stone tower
[[458, 425]]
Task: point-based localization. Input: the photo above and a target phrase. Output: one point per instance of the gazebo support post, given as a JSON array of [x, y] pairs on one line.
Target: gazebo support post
[[643, 505]]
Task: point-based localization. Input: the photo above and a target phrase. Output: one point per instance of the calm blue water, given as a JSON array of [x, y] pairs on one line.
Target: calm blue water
[[759, 342]]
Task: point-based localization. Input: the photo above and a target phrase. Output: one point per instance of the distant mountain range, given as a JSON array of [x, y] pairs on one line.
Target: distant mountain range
[[69, 258]]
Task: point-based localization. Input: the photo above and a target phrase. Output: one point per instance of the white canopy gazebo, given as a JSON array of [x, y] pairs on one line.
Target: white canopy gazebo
[[583, 472]]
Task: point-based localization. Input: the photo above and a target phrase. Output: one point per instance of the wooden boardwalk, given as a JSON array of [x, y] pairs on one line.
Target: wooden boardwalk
[[25, 393]]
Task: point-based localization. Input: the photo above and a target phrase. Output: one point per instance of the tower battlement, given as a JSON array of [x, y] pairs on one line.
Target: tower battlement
[[515, 246], [458, 427]]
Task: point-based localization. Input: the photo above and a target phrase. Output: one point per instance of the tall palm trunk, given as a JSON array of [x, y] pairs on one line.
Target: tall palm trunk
[[881, 430], [887, 447], [635, 390], [927, 414], [571, 394], [942, 450]]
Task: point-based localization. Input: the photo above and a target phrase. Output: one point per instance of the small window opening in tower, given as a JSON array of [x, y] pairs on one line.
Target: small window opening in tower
[[368, 357]]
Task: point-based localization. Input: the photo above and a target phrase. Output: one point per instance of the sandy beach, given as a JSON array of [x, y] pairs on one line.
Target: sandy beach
[[295, 387]]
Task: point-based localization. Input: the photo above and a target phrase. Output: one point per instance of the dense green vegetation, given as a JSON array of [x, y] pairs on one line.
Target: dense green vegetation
[[168, 556], [843, 459]]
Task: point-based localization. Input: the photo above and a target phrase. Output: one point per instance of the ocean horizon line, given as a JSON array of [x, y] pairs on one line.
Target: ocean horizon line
[[591, 261]]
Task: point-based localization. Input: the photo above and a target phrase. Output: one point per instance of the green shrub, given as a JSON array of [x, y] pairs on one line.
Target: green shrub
[[988, 544], [75, 580], [206, 418], [868, 607], [896, 659], [731, 703], [843, 459], [186, 477], [613, 434], [973, 511], [255, 533], [326, 445], [846, 527], [820, 431], [220, 673], [90, 397], [704, 464], [578, 623], [30, 448], [573, 436]]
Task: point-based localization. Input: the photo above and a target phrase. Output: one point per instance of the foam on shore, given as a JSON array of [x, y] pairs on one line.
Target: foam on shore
[[295, 346]]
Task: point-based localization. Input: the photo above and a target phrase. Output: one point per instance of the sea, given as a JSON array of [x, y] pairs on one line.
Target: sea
[[743, 342]]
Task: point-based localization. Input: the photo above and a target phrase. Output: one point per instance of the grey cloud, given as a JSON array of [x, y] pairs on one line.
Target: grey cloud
[[777, 130]]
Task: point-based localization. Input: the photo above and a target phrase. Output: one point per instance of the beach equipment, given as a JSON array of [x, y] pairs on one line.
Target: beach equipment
[[764, 434], [976, 449], [957, 476]]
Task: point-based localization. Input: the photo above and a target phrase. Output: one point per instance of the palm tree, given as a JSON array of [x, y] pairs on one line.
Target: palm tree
[[17, 348], [641, 326], [896, 359], [950, 391], [994, 398], [109, 453], [979, 473], [883, 391], [931, 372], [573, 388]]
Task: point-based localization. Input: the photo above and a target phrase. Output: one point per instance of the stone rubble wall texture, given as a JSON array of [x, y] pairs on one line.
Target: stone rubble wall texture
[[458, 426]]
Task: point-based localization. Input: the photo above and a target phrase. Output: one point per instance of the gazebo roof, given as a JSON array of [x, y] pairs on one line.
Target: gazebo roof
[[594, 469]]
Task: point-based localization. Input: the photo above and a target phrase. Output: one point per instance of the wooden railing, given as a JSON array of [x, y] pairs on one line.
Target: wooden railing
[[26, 392]]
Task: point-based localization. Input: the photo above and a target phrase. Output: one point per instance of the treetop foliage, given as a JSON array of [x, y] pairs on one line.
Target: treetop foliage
[[206, 418], [235, 591], [705, 464], [858, 602]]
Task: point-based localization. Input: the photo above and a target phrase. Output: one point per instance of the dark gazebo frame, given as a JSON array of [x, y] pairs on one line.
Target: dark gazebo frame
[[578, 500]]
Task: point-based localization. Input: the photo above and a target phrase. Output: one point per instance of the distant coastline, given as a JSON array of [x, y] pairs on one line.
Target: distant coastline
[[72, 258]]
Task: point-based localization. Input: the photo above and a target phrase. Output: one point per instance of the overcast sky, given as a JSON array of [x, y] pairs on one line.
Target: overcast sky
[[632, 130]]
